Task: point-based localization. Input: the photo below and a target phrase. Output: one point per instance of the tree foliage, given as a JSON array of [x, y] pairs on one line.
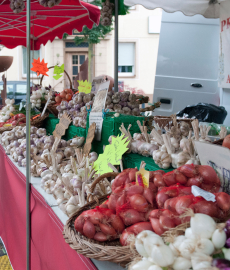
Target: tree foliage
[[94, 35]]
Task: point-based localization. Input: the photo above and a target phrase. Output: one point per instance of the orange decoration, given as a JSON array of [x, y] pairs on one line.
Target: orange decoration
[[40, 67]]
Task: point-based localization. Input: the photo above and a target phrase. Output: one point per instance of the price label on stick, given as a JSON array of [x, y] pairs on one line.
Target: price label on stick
[[40, 67], [84, 86], [142, 178], [112, 154], [62, 126]]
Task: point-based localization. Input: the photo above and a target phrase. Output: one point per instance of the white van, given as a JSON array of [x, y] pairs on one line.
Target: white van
[[187, 64]]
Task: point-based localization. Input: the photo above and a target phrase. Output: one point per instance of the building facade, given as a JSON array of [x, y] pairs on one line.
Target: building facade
[[138, 47]]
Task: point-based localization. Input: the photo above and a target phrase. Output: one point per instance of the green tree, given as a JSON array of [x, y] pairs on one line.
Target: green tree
[[92, 36]]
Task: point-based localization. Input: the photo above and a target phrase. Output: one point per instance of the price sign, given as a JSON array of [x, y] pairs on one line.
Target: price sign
[[62, 126], [40, 67], [84, 86]]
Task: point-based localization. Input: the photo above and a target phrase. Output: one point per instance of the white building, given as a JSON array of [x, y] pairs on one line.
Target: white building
[[138, 48]]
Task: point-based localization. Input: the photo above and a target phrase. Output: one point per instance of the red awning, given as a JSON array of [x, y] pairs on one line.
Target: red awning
[[46, 23]]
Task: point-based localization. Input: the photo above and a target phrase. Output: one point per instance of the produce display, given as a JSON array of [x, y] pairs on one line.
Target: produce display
[[167, 203], [193, 249]]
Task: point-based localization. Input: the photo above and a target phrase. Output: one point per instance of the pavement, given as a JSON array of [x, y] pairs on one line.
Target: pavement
[[4, 260]]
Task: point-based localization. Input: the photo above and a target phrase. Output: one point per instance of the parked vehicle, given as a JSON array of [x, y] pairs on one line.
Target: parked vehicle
[[15, 90], [187, 64]]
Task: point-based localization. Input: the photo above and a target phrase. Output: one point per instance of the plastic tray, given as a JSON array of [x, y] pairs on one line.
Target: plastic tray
[[134, 160], [112, 124], [50, 125]]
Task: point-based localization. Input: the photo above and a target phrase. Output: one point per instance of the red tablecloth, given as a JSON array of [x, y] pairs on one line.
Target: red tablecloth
[[48, 248]]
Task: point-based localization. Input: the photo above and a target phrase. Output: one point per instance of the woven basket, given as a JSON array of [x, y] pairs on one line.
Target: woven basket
[[108, 251], [164, 121], [34, 122], [218, 142]]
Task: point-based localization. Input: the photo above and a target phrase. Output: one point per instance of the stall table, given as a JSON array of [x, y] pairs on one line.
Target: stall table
[[49, 250]]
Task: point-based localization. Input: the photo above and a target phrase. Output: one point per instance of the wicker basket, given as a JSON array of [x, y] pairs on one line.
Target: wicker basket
[[218, 142], [108, 251], [52, 108], [34, 122], [164, 121]]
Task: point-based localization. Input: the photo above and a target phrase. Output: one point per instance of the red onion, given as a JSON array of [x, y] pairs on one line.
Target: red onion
[[207, 208], [139, 203], [131, 216], [157, 228], [169, 178], [132, 175], [117, 223], [209, 175], [79, 223], [158, 180], [149, 195], [113, 201], [180, 178], [153, 187], [124, 237], [89, 229], [101, 237], [182, 203], [189, 170], [107, 229], [133, 190]]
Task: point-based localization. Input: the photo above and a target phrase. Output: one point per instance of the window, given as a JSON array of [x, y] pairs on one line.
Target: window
[[77, 61], [34, 54], [126, 58]]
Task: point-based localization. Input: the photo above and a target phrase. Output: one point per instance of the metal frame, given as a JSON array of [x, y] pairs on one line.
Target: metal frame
[[116, 40], [28, 223]]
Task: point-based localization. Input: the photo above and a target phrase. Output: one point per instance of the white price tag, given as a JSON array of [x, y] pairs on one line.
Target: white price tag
[[20, 107], [196, 191]]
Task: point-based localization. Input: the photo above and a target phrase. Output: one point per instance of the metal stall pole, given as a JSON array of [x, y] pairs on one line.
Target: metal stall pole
[[116, 48], [28, 139]]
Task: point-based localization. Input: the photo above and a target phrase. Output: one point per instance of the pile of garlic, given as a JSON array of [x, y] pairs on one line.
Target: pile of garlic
[[14, 143], [7, 110], [71, 184], [192, 250], [37, 97]]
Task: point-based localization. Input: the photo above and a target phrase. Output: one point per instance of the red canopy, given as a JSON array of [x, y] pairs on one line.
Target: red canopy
[[46, 23]]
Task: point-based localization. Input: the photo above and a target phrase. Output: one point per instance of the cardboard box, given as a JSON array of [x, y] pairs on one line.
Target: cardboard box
[[218, 158]]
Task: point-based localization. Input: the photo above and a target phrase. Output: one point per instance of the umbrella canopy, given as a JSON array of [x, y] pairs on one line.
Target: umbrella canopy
[[46, 23], [207, 8]]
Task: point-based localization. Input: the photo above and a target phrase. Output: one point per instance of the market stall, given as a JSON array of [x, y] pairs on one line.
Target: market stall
[[128, 190]]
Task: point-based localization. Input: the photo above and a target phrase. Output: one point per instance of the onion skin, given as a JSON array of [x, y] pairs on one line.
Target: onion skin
[[139, 203], [149, 196], [117, 223], [89, 229], [157, 228], [189, 170], [134, 230], [153, 187], [125, 235], [169, 178], [113, 201], [132, 175], [223, 201], [100, 237], [226, 142], [133, 190], [79, 223], [131, 216], [158, 180], [107, 230]]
